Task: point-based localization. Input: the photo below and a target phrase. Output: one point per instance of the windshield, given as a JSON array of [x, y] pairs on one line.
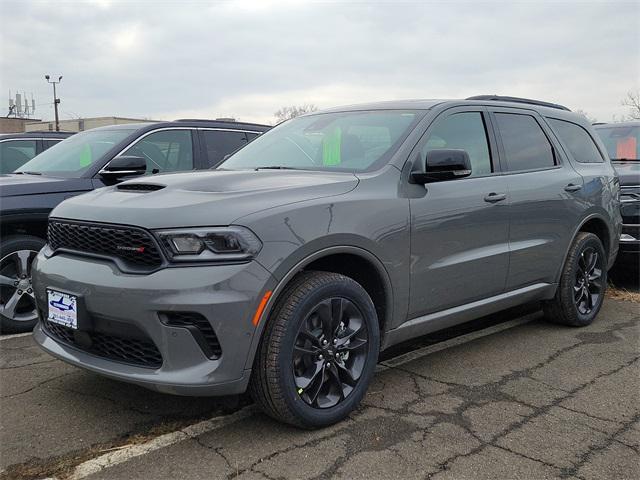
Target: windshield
[[622, 142], [346, 141], [74, 155]]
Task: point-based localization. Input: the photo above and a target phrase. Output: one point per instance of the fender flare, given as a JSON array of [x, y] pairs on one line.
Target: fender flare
[[573, 237], [284, 281]]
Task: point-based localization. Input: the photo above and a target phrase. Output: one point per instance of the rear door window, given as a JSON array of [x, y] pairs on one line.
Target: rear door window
[[165, 151], [525, 144], [220, 143], [15, 153], [578, 141]]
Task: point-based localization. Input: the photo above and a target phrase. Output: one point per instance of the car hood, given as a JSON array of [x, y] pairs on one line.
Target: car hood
[[208, 198], [628, 172], [21, 184]]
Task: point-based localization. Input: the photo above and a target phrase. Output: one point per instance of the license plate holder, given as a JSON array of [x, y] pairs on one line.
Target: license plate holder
[[65, 309]]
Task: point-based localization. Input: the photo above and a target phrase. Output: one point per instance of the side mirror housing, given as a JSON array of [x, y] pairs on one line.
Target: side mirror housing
[[124, 166], [443, 164]]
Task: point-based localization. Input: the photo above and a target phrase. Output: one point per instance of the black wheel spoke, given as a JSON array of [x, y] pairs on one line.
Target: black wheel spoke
[[304, 381], [328, 353], [337, 305], [588, 281]]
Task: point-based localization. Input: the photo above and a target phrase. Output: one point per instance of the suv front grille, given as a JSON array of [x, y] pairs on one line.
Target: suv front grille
[[630, 208], [199, 327], [140, 352], [134, 246]]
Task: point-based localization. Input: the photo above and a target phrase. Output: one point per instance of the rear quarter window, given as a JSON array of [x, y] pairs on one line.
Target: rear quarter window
[[577, 140]]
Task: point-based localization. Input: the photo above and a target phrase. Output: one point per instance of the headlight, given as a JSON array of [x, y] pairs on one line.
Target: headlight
[[215, 244]]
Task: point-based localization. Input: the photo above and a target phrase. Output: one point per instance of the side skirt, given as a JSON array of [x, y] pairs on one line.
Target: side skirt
[[432, 322]]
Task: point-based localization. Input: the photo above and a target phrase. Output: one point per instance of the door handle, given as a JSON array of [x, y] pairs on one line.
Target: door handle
[[495, 197], [572, 188]]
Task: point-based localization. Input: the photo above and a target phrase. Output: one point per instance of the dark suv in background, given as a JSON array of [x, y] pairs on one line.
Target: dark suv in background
[[16, 149], [622, 141], [330, 237], [86, 161]]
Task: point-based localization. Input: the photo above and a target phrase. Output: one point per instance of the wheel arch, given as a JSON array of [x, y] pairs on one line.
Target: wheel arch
[[596, 224], [346, 260]]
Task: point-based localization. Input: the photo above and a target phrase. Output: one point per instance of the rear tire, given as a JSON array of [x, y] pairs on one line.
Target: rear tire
[[583, 283], [17, 303], [318, 352]]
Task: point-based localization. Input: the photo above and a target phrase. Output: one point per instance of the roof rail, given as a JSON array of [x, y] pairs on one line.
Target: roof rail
[[500, 98], [206, 120]]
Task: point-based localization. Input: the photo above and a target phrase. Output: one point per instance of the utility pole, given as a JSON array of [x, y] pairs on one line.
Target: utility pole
[[56, 100]]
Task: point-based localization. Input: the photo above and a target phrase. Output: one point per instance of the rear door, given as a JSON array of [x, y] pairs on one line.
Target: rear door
[[459, 228], [542, 189]]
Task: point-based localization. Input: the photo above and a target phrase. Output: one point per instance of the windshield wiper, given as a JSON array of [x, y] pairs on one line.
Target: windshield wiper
[[28, 173], [274, 167], [624, 159]]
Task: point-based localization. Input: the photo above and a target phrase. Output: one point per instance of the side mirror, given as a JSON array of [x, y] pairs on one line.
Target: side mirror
[[443, 164], [124, 166]]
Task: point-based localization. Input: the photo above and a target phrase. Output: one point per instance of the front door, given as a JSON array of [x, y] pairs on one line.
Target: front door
[[459, 228]]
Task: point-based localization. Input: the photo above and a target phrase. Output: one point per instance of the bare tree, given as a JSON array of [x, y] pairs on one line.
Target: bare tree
[[285, 113], [632, 100], [585, 114]]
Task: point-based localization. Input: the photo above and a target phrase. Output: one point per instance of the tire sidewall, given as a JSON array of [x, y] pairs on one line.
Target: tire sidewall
[[349, 290], [9, 245], [569, 277]]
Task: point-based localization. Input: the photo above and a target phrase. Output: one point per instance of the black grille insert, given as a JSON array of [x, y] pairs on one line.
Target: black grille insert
[[133, 351], [199, 327], [134, 246]]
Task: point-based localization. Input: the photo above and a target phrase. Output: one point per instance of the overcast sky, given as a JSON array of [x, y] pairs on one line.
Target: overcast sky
[[245, 59]]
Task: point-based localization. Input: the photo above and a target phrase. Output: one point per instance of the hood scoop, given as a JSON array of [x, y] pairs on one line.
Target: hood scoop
[[140, 187]]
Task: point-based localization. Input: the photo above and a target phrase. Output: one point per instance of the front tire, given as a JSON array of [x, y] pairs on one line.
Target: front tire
[[583, 283], [318, 352], [17, 300]]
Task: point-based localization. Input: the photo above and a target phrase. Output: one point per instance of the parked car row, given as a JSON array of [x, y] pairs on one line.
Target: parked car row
[[325, 240], [88, 160]]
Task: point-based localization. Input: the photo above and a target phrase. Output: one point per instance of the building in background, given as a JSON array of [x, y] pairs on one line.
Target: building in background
[[14, 125], [80, 124]]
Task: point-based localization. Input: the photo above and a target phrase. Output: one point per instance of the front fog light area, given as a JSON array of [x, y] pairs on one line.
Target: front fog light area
[[215, 244]]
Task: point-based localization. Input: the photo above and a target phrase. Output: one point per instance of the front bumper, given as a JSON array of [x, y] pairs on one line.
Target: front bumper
[[226, 295]]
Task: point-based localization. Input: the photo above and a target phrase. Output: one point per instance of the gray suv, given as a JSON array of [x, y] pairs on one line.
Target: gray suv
[[327, 239]]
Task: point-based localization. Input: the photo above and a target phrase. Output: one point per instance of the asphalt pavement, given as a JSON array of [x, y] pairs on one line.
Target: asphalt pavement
[[534, 400]]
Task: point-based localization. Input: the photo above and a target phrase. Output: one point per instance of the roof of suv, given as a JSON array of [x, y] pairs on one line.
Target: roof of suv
[[188, 123], [544, 108], [35, 134]]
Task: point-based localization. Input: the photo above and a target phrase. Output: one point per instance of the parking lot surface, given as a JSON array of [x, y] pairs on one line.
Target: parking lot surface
[[533, 401]]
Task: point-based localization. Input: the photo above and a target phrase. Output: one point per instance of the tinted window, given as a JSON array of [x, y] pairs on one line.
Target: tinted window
[[220, 143], [15, 153], [340, 141], [465, 131], [72, 157], [525, 144], [165, 151], [621, 142], [577, 140], [49, 143]]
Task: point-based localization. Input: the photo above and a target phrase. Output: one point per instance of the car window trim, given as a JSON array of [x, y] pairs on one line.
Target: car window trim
[[496, 164], [557, 158], [566, 150]]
